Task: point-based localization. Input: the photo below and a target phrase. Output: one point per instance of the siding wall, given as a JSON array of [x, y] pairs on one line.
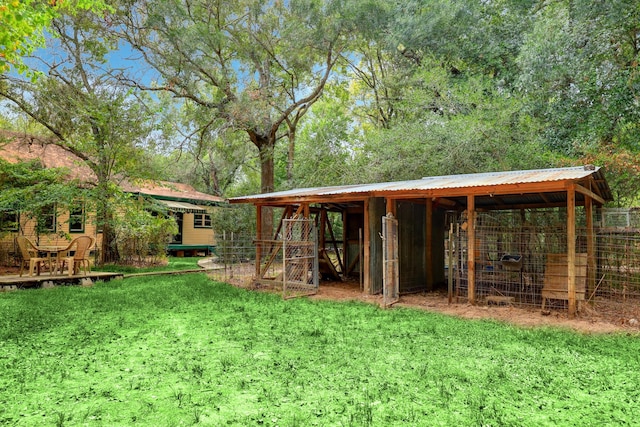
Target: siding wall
[[190, 234], [196, 236]]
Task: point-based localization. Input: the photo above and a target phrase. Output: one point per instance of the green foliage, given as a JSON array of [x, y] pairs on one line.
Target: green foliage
[[416, 88], [324, 144], [141, 236], [182, 349], [451, 125], [579, 67], [238, 219], [245, 65], [24, 23], [32, 190], [86, 110]]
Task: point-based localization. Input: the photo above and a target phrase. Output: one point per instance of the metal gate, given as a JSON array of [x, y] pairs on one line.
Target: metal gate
[[390, 270], [300, 258]]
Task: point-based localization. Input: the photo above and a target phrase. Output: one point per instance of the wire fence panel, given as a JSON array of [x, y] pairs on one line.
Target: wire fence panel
[[300, 258], [390, 270], [517, 254], [234, 259], [511, 251], [521, 258]]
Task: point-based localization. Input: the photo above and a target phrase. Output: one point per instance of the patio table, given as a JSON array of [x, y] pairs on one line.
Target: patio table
[[51, 254]]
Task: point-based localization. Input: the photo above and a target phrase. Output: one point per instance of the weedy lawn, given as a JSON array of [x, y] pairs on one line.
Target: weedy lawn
[[182, 350], [173, 264]]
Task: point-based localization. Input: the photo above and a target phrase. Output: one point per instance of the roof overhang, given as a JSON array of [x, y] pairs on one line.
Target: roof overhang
[[181, 206], [495, 190]]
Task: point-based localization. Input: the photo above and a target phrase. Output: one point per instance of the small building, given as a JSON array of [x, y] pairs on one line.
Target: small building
[[191, 209], [425, 211]]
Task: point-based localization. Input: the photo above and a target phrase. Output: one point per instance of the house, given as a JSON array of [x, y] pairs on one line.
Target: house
[[191, 209], [405, 230]]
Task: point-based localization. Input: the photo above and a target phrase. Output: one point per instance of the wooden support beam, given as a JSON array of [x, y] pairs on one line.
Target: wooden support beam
[[364, 263], [571, 249], [590, 194], [471, 249], [391, 207], [544, 197], [259, 237], [322, 229], [443, 201]]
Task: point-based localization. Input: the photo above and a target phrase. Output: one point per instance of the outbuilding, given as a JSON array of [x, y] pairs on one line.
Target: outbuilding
[[426, 212]]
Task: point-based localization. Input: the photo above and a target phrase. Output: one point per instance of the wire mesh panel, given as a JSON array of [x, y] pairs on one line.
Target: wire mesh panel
[[390, 270], [616, 282], [234, 258], [300, 258], [512, 250]]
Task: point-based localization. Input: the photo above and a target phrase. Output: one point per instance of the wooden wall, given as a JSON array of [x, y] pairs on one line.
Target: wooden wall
[[412, 245], [376, 211]]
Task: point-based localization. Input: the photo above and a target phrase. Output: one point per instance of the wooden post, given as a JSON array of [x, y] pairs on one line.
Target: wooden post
[[429, 244], [364, 263], [471, 249], [323, 226], [571, 249], [391, 207], [450, 264], [258, 240]]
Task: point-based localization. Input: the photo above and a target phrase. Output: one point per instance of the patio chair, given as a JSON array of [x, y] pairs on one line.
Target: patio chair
[[29, 253], [79, 259]]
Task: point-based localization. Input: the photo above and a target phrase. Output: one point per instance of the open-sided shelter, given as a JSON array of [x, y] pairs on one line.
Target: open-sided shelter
[[421, 208]]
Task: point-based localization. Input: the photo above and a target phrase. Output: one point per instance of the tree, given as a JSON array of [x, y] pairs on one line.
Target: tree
[[88, 113], [580, 76], [258, 66], [23, 24], [209, 155], [326, 142], [580, 69], [452, 125]]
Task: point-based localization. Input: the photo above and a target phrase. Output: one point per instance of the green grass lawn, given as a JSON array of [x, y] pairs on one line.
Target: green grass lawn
[[182, 350], [174, 264]]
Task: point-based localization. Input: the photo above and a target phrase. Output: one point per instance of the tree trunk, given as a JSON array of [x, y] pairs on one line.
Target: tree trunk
[[109, 248], [291, 154], [265, 146]]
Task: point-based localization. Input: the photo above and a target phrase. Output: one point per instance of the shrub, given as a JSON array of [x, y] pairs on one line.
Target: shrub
[[142, 237]]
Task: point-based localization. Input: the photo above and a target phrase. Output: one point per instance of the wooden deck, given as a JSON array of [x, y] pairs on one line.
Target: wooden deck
[[26, 281]]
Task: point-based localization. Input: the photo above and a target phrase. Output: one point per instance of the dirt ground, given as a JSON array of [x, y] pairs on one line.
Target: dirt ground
[[587, 321]]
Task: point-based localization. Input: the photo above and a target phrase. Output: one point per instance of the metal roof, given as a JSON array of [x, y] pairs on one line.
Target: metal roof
[[182, 206], [520, 183]]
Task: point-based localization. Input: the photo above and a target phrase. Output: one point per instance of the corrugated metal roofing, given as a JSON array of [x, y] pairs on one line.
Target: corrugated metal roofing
[[182, 206], [491, 179]]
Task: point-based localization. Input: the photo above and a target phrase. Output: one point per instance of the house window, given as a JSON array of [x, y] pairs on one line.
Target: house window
[[201, 220], [47, 220], [76, 219], [9, 221]]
